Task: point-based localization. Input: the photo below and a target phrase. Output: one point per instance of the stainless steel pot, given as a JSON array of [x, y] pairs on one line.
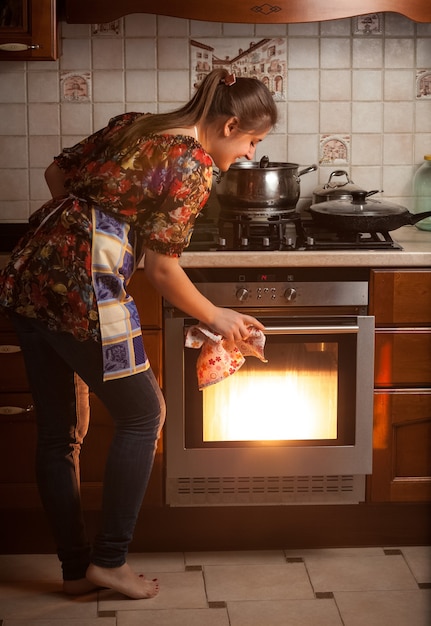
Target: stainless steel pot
[[272, 186]]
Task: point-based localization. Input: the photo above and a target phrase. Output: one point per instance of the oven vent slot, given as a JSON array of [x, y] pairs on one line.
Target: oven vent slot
[[265, 490]]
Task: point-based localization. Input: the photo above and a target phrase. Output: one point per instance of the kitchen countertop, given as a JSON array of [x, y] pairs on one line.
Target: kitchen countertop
[[416, 253]]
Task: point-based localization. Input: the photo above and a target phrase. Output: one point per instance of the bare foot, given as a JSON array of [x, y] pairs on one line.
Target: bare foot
[[79, 587], [124, 580]]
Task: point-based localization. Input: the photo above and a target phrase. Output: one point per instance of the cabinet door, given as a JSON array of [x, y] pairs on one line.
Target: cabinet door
[[28, 30], [401, 297], [402, 445]]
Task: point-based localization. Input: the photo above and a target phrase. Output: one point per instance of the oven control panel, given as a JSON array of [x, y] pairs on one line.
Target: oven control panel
[[276, 294]]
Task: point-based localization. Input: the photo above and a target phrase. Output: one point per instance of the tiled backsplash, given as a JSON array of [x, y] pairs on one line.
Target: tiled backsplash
[[356, 96]]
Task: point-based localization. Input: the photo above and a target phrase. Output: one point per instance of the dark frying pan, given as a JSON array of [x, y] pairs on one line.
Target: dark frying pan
[[362, 215]]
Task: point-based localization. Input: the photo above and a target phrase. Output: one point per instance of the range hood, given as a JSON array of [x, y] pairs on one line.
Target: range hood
[[244, 11]]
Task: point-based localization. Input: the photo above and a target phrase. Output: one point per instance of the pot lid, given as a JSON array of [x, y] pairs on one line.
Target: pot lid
[[267, 165], [359, 204], [334, 188]]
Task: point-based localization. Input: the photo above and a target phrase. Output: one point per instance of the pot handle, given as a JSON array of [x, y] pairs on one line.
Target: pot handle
[[307, 170]]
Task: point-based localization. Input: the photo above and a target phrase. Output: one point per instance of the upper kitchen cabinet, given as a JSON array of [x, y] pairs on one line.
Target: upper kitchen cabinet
[[28, 30], [244, 11]]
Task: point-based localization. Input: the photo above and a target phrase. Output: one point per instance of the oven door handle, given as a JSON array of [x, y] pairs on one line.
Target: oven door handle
[[310, 330]]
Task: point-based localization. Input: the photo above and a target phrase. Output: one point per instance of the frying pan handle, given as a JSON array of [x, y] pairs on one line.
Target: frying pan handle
[[307, 170]]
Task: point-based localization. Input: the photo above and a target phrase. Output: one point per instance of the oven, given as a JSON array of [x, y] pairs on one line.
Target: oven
[[292, 430]]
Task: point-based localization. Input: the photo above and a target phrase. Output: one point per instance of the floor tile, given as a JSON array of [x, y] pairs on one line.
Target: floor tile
[[184, 590], [96, 621], [240, 557], [174, 617], [29, 567], [284, 613], [379, 608], [257, 582], [419, 561], [325, 553], [156, 562], [360, 573], [36, 600]]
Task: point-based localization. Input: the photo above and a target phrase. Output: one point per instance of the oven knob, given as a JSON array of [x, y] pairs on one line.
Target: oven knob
[[242, 294], [290, 294]]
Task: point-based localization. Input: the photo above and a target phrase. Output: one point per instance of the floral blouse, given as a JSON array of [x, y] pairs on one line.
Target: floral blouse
[[155, 191]]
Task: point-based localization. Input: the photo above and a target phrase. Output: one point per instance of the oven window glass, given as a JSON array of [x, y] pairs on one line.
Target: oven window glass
[[304, 393]]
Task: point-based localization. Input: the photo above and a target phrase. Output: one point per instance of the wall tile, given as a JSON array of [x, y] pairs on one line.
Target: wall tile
[[335, 53], [13, 119], [367, 53], [303, 117], [108, 54], [399, 84], [43, 119], [14, 184], [399, 53], [398, 117], [173, 53], [173, 86], [335, 85], [303, 85], [335, 117], [366, 149], [172, 26], [42, 149], [335, 27], [205, 29], [14, 211], [141, 54], [397, 149], [140, 25], [75, 53], [108, 86], [76, 119], [141, 86], [43, 86], [13, 152], [367, 117], [12, 87], [423, 53], [303, 53], [367, 85]]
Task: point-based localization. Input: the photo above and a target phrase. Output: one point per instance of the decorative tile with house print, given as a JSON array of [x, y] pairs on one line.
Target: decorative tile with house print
[[370, 24], [110, 28], [265, 59], [334, 150], [423, 84], [75, 86]]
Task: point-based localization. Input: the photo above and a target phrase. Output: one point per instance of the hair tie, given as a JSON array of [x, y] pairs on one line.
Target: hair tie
[[229, 80]]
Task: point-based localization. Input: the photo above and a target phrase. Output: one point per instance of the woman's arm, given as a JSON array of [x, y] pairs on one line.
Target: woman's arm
[[55, 178], [168, 277]]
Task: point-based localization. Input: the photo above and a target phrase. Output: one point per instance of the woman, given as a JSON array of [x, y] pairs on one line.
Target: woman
[[130, 190]]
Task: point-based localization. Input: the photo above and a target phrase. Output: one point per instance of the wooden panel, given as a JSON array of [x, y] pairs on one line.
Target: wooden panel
[[17, 439], [401, 297], [245, 11], [148, 300], [403, 359], [402, 447]]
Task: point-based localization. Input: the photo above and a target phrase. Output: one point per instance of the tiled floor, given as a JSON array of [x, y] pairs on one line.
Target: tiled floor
[[334, 587]]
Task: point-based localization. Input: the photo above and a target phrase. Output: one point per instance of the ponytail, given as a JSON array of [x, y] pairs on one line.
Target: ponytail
[[219, 96]]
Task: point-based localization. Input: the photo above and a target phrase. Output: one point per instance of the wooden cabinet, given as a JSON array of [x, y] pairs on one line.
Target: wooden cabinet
[[18, 426], [29, 30], [244, 11], [401, 304]]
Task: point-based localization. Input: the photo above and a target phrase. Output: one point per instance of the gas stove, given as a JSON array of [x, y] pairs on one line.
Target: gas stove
[[280, 232]]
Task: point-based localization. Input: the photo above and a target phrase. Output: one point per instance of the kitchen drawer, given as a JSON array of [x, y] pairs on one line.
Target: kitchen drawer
[[13, 376], [401, 297], [402, 445], [17, 438], [403, 358]]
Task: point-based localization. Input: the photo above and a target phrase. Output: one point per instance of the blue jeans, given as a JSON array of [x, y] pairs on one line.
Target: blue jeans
[[53, 361]]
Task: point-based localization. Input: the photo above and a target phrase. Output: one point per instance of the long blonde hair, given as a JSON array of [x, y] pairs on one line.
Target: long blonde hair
[[247, 99]]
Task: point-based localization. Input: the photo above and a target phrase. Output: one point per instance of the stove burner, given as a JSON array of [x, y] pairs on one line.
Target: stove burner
[[283, 231]]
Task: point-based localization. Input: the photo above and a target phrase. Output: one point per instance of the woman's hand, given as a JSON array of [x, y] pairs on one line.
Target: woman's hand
[[233, 325]]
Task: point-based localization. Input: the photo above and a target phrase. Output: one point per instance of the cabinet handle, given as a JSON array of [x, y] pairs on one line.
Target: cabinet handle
[[15, 410], [18, 47], [8, 349]]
